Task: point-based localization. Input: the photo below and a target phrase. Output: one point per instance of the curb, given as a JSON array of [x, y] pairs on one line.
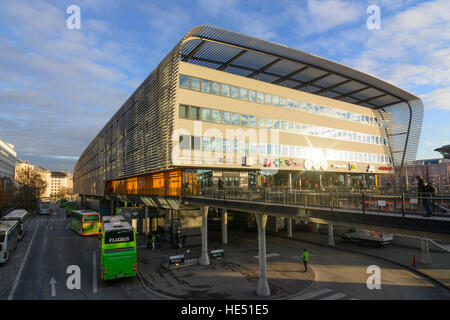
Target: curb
[[435, 281], [152, 291]]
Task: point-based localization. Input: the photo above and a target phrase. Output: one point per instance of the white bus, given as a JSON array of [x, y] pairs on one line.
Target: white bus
[[9, 231], [21, 216]]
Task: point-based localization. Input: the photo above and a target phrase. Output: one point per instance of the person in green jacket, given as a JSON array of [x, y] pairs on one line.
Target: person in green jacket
[[305, 259]]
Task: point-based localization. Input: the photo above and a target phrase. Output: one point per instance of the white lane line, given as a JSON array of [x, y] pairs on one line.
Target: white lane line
[[313, 294], [68, 225], [269, 255], [334, 296], [16, 281], [94, 272]]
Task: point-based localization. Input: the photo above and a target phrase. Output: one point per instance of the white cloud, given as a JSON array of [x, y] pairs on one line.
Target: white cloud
[[437, 99]]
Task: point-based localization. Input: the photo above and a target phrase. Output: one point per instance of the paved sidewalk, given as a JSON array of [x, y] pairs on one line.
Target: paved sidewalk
[[235, 276], [439, 269]]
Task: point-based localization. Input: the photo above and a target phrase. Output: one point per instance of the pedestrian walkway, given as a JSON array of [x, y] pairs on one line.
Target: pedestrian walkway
[[439, 269], [234, 276]]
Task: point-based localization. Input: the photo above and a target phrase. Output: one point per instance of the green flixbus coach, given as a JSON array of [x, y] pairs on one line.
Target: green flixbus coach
[[118, 252], [86, 222], [70, 206]]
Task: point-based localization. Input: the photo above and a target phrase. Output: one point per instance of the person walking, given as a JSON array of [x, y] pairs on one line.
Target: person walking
[[424, 194], [305, 259], [153, 241], [221, 186]]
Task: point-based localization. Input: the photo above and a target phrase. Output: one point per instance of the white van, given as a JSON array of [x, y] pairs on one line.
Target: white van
[[9, 231], [21, 216], [376, 238]]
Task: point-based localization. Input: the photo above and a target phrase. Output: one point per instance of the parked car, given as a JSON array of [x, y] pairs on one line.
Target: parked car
[[45, 208]]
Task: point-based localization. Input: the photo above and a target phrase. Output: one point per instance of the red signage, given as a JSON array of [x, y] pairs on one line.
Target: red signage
[[386, 168]]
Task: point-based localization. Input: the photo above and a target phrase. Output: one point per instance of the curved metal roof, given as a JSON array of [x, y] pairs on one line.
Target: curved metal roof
[[278, 64]]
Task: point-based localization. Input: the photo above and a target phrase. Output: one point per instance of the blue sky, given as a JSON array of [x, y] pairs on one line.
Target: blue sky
[[58, 87]]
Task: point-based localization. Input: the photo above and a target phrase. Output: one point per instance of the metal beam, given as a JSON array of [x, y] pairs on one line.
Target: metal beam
[[345, 95], [373, 98], [229, 62], [194, 51], [304, 84], [289, 75], [332, 87], [267, 66]]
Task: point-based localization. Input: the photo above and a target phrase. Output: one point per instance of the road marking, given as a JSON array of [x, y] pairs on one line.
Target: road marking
[[334, 296], [16, 281], [313, 294], [269, 255], [94, 270], [68, 225]]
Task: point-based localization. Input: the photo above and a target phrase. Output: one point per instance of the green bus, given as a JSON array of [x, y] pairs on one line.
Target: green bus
[[118, 257], [71, 206], [86, 222], [62, 203]]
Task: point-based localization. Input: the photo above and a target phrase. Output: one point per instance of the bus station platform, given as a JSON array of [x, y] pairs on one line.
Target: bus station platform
[[232, 277]]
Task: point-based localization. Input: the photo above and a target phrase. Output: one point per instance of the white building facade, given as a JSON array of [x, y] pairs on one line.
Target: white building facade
[[8, 159]]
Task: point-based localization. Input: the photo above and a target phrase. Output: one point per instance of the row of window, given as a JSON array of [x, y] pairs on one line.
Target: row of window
[[263, 149], [227, 90], [244, 120]]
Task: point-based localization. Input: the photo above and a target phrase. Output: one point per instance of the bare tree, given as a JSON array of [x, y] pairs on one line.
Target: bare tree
[[63, 192], [6, 194], [30, 186]]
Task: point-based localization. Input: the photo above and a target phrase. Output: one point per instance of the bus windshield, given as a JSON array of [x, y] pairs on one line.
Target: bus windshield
[[119, 236], [91, 218], [2, 236]]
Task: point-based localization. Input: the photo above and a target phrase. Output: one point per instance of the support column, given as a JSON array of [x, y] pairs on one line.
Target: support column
[[263, 286], [204, 259], [145, 222], [112, 208], [224, 226], [425, 254], [289, 227], [330, 235]]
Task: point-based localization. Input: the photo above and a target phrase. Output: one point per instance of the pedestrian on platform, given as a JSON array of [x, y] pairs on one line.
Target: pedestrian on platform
[[153, 241], [305, 259]]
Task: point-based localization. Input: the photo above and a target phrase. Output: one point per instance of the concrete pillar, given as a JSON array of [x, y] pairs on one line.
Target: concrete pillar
[[204, 259], [425, 252], [289, 227], [330, 235], [224, 226], [263, 286], [145, 222], [112, 208], [316, 227], [290, 182]]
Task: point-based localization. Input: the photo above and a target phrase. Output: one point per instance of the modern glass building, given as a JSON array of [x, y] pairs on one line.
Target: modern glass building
[[253, 113]]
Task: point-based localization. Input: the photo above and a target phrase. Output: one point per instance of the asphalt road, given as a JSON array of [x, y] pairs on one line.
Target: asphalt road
[[54, 249]]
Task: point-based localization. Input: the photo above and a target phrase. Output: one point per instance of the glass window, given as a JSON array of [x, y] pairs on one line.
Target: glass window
[[243, 94], [252, 121], [234, 92], [195, 143], [253, 148], [290, 104], [283, 125], [244, 120], [184, 81], [184, 142], [206, 144], [226, 118], [216, 88], [322, 110], [245, 147], [215, 116], [276, 149], [236, 146], [282, 102], [310, 107], [291, 127], [260, 97], [349, 116], [268, 99], [327, 111], [195, 113], [184, 111], [216, 145], [292, 151], [235, 119], [285, 150], [261, 123], [316, 109], [275, 100], [303, 106], [206, 114], [276, 124], [251, 95], [225, 90], [296, 105], [226, 145], [206, 86], [262, 148], [195, 84], [268, 123], [269, 149]]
